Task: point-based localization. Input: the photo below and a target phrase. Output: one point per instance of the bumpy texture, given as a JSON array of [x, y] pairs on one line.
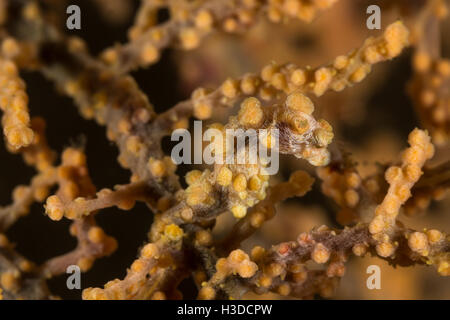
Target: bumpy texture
[[181, 241]]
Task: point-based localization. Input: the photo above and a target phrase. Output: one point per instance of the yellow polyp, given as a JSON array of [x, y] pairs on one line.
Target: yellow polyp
[[239, 211], [173, 232]]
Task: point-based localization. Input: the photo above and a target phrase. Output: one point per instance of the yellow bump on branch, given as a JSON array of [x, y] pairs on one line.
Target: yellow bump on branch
[[14, 103]]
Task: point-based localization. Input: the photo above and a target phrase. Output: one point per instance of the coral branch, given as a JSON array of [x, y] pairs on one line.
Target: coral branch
[[273, 111], [191, 21], [298, 185], [13, 102], [275, 80], [401, 180], [19, 278]]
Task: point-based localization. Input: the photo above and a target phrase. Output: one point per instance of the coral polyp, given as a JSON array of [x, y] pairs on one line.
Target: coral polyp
[[222, 227]]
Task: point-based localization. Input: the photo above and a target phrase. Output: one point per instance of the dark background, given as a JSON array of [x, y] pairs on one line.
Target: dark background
[[38, 238]]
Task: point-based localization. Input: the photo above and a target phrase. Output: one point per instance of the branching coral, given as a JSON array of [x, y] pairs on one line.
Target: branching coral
[[401, 179], [276, 101], [14, 100], [190, 21]]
